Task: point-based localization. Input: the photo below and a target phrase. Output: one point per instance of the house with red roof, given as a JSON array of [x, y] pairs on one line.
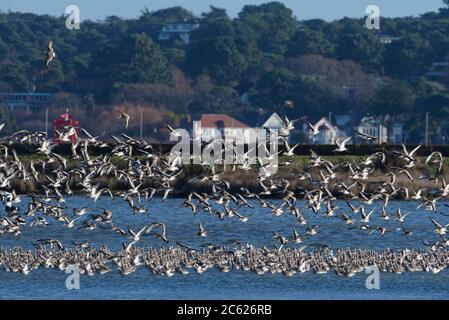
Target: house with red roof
[[214, 126]]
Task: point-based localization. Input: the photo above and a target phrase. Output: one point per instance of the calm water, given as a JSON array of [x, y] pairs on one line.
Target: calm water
[[182, 226]]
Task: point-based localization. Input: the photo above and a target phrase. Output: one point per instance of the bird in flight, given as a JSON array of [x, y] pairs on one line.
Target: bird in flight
[[125, 116], [314, 129], [365, 136], [49, 54], [341, 146]]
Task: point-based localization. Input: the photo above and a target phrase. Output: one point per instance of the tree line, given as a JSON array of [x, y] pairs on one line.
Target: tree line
[[264, 52]]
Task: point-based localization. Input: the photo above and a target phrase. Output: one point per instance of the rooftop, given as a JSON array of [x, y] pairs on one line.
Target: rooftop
[[180, 27], [220, 121]]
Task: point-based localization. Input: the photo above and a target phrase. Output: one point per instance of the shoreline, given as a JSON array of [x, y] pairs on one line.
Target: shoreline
[[183, 185]]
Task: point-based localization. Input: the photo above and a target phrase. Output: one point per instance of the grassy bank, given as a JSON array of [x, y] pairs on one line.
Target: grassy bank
[[189, 179]]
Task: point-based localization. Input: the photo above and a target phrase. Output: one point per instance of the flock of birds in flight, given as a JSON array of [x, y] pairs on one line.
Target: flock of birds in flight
[[148, 173]]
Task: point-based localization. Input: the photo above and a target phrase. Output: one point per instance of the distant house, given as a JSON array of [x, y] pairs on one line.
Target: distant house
[[386, 39], [275, 122], [213, 126], [328, 132], [395, 130], [438, 70], [343, 120], [373, 126], [181, 30], [25, 101], [396, 133]]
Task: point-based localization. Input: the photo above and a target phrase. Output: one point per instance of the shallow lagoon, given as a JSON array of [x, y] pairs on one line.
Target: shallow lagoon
[[182, 226]]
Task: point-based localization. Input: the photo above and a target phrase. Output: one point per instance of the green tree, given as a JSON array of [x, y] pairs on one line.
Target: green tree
[[437, 104], [439, 42], [314, 97], [136, 59], [342, 80], [360, 46], [411, 55], [52, 79], [215, 13], [246, 41], [152, 22], [273, 89], [393, 97], [15, 75], [9, 120], [115, 27], [307, 41], [217, 57], [173, 14], [272, 23], [213, 27], [3, 49], [217, 100]]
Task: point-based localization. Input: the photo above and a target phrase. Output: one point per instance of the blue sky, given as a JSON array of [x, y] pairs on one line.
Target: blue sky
[[303, 9]]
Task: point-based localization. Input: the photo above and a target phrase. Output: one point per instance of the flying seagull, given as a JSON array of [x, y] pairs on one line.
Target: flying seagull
[[365, 136], [341, 145], [314, 129], [124, 115], [289, 104], [50, 54]]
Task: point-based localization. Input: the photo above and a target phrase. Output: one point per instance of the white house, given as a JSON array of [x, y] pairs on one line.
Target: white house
[[372, 126], [396, 133], [275, 122], [181, 30], [214, 126], [343, 121], [328, 132]]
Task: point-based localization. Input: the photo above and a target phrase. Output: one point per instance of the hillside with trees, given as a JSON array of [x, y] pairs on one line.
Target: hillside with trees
[[265, 52]]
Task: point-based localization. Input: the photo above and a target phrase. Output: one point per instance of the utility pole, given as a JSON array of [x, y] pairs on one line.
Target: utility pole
[[380, 134], [46, 121], [141, 123], [330, 117], [427, 129]]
